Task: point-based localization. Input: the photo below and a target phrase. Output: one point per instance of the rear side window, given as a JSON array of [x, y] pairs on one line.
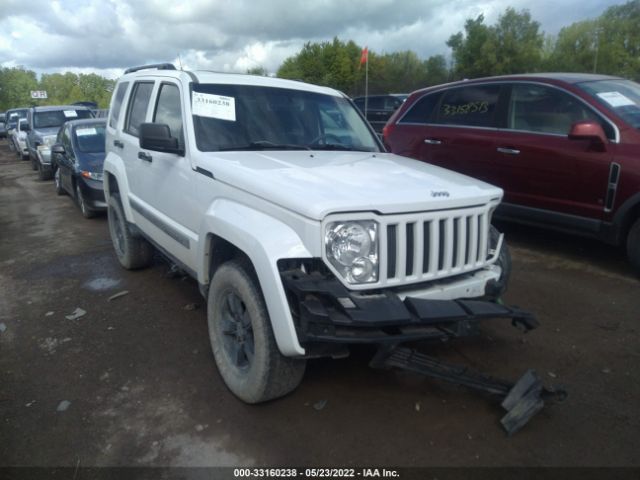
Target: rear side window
[[169, 111], [422, 111], [138, 107], [473, 106], [117, 104]]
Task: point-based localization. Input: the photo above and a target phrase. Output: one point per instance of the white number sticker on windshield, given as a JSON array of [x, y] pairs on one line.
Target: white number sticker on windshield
[[616, 99], [81, 132], [70, 113], [214, 106]]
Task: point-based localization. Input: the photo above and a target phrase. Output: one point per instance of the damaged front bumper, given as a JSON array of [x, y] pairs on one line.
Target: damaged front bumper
[[329, 317], [327, 312]]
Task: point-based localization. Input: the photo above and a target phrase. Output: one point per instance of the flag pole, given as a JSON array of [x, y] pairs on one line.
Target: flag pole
[[366, 83]]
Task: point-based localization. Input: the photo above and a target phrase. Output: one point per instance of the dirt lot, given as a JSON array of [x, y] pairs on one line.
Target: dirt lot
[[140, 387]]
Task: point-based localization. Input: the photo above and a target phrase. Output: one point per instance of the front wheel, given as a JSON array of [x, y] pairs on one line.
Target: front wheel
[[633, 246], [132, 251], [57, 181], [82, 204], [242, 339]]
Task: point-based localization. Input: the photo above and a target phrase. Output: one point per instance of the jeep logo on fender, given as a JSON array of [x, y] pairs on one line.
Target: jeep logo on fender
[[439, 193]]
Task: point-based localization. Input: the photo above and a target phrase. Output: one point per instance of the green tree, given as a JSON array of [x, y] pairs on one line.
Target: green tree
[[337, 64], [518, 43], [260, 71], [58, 87], [609, 44], [472, 53], [332, 64], [436, 71], [513, 45], [16, 85]]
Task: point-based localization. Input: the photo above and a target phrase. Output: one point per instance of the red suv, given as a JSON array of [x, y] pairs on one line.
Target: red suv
[[564, 147]]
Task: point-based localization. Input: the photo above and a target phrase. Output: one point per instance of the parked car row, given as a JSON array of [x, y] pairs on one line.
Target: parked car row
[[63, 142]]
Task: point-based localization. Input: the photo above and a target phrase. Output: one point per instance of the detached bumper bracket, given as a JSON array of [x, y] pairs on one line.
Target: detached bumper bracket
[[522, 400]]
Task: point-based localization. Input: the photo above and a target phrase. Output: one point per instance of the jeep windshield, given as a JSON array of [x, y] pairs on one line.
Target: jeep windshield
[[620, 96], [55, 118], [248, 117]]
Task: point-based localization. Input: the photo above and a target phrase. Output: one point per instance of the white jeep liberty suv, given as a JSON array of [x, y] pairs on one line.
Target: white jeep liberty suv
[[304, 235]]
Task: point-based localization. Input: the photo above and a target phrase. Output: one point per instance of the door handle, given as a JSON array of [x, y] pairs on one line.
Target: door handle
[[432, 141], [508, 151], [145, 156], [118, 143]]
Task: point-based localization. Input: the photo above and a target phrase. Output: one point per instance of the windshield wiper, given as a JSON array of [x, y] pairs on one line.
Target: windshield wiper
[[264, 145], [337, 146]]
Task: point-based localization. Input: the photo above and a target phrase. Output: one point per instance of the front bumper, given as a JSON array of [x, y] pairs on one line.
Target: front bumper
[[92, 193], [326, 312], [44, 157]]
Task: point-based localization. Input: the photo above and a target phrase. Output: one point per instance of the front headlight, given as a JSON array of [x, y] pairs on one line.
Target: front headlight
[[92, 175], [352, 249], [49, 140]]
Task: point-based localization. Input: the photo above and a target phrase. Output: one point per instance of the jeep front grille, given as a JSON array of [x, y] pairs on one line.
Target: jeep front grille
[[432, 245]]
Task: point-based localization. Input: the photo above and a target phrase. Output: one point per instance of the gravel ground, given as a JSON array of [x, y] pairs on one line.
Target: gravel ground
[[132, 381]]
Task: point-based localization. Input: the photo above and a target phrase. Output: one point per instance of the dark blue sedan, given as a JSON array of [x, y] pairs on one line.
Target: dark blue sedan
[[77, 159]]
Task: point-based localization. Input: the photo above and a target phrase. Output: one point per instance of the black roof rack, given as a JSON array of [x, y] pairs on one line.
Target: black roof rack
[[157, 66]]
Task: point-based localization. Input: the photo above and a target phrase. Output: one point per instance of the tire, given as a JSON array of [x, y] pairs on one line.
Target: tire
[[497, 288], [57, 182], [242, 340], [34, 165], [633, 246], [42, 173], [82, 205], [133, 251]]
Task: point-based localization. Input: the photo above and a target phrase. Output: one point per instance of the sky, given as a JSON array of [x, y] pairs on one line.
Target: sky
[[106, 36]]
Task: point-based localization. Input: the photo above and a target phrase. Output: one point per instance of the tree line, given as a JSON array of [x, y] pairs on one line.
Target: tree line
[[609, 44], [16, 85]]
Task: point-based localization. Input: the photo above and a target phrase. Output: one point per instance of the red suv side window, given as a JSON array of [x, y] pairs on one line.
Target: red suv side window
[[474, 106], [538, 108]]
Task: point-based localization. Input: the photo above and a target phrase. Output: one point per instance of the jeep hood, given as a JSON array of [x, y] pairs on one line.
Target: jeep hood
[[46, 132], [318, 183]]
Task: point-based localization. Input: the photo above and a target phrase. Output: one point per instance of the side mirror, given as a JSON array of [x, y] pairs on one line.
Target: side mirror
[[24, 127], [589, 130], [58, 148], [157, 137]]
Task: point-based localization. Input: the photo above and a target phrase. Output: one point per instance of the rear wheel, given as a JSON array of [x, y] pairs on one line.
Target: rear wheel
[[633, 246], [242, 340], [132, 251]]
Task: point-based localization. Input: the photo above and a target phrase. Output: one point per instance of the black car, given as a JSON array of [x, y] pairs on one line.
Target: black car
[[379, 108], [77, 159]]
